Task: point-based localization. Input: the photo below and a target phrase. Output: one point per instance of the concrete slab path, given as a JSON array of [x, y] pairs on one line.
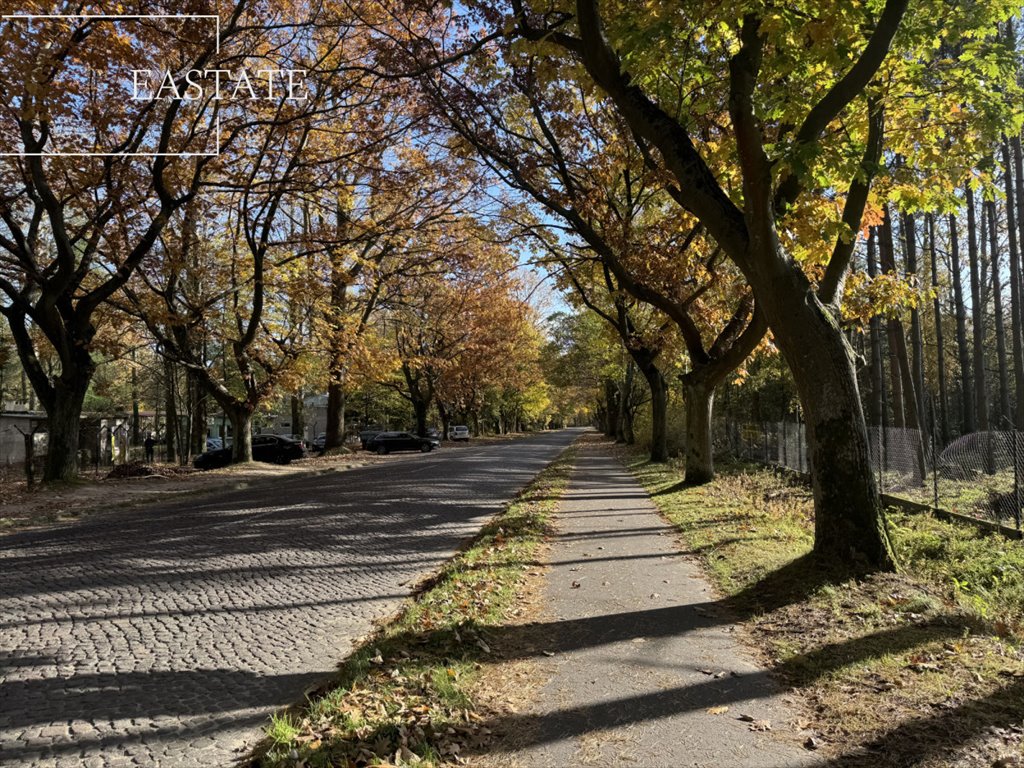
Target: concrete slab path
[[644, 672]]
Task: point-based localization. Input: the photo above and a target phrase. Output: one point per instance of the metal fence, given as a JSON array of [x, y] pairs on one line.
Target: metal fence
[[979, 475]]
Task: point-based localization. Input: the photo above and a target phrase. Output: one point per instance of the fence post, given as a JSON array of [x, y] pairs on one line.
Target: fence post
[[935, 464], [878, 454], [800, 452], [883, 464], [1016, 480]]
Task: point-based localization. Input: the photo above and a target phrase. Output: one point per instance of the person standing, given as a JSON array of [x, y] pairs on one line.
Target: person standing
[[149, 443]]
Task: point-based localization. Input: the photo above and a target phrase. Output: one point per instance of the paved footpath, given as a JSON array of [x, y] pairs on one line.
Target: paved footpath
[[640, 656], [165, 636]]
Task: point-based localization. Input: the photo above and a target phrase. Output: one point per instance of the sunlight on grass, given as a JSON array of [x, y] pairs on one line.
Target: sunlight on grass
[[923, 667]]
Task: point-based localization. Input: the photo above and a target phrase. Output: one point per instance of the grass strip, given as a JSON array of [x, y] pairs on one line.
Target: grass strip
[[922, 667], [404, 696]]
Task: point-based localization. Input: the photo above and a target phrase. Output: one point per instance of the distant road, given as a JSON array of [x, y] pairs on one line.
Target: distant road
[[165, 636]]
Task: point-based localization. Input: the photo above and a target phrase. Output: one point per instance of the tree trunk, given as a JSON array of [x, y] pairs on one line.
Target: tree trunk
[[335, 428], [699, 396], [980, 388], [298, 427], [136, 428], [623, 396], [420, 408], [241, 425], [1016, 316], [875, 402], [198, 436], [908, 415], [611, 428], [29, 440], [171, 407], [849, 522], [659, 407], [446, 418], [63, 421], [1005, 415], [940, 344], [909, 227], [1018, 171], [969, 420]]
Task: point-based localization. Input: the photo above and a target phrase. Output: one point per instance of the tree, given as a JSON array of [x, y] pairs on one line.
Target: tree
[[572, 155], [75, 228], [777, 158]]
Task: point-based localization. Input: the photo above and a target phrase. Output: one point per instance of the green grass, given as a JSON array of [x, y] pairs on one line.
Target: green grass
[[983, 572], [922, 667], [405, 695]]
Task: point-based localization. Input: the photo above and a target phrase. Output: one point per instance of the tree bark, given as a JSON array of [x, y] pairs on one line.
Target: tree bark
[[171, 407], [940, 344], [63, 422], [611, 427], [968, 417], [980, 388], [1005, 415], [136, 428], [199, 399], [1016, 316], [335, 428], [625, 428], [849, 524], [420, 408], [659, 407], [876, 402], [699, 397], [241, 425], [909, 227], [446, 419]]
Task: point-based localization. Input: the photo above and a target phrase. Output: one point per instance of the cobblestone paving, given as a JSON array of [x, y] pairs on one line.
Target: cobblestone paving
[[166, 636]]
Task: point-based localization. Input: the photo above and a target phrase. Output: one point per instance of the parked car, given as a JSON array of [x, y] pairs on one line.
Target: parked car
[[368, 433], [319, 442], [386, 442], [460, 432], [214, 443], [273, 449]]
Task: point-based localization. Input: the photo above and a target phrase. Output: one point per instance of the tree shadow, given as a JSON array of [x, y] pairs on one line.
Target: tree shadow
[[541, 639], [938, 736]]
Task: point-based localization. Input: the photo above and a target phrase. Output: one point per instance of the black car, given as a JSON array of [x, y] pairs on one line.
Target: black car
[[273, 449], [386, 442], [366, 435]]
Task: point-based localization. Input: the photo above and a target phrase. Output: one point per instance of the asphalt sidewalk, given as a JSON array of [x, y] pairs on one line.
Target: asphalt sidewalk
[[646, 673]]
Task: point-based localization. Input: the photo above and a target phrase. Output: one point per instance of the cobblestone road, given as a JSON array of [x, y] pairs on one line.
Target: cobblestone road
[[166, 636]]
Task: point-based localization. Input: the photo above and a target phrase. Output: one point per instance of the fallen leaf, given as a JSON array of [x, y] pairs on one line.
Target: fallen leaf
[[717, 710]]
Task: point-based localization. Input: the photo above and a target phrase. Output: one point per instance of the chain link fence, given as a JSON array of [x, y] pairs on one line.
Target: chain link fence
[[978, 475]]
